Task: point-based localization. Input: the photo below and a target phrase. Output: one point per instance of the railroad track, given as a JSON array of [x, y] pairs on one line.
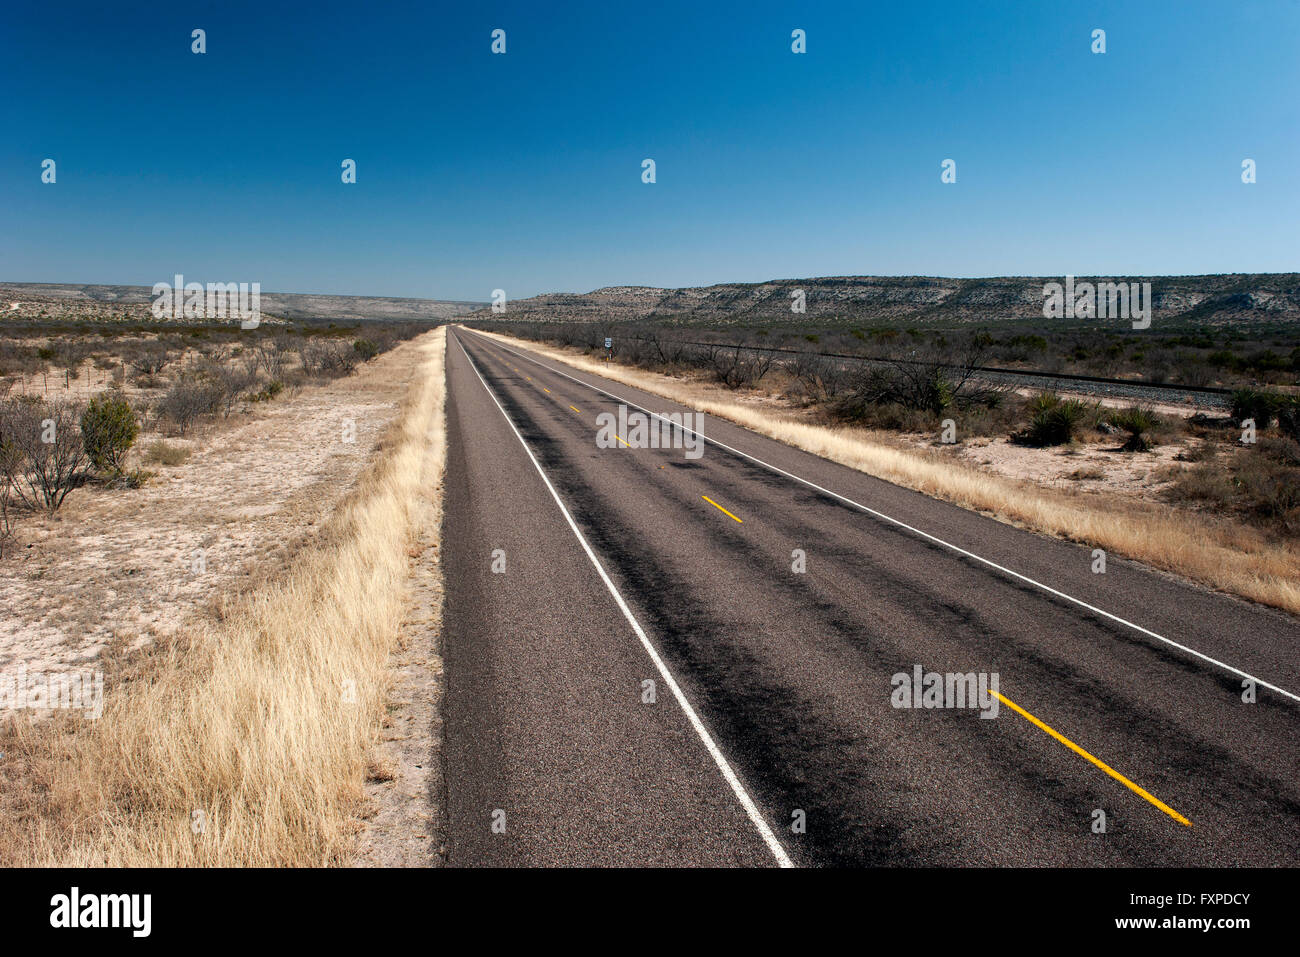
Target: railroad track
[[1203, 396]]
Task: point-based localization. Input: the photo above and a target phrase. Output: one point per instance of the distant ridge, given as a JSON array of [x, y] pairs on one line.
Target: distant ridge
[[286, 305], [1211, 300]]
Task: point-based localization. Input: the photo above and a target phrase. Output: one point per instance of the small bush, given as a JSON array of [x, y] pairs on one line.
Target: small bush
[[1270, 489], [161, 452], [43, 454], [1256, 404], [1137, 422], [1288, 418], [186, 401], [136, 478], [108, 430], [273, 388], [1053, 420], [1285, 450], [366, 349]]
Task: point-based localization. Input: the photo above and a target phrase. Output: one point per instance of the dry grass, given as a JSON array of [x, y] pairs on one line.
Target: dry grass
[[1222, 555], [160, 452], [264, 721]]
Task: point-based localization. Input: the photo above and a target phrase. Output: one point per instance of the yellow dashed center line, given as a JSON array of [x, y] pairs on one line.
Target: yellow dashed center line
[[1101, 764], [720, 508], [623, 440], [576, 409], [546, 390]]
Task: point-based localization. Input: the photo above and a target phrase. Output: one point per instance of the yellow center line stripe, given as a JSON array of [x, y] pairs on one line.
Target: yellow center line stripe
[[576, 409], [720, 508], [544, 389], [1101, 764], [619, 437]]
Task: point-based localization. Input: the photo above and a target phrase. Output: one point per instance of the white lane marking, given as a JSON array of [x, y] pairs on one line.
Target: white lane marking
[[938, 541], [751, 809]]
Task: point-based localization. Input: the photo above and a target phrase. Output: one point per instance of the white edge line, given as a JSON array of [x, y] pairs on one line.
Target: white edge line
[[938, 541], [751, 809]]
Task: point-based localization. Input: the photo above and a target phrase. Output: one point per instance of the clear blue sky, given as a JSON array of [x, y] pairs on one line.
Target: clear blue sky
[[523, 171]]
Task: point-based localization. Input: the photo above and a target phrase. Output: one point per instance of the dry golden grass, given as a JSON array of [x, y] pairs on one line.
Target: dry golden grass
[[1222, 555], [263, 722]]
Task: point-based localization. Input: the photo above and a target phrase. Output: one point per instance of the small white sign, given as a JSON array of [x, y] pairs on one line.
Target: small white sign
[[609, 343]]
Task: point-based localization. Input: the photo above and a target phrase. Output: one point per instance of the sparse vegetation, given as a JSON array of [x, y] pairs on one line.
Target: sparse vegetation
[[1258, 404], [1055, 421], [238, 715], [162, 452], [180, 377]]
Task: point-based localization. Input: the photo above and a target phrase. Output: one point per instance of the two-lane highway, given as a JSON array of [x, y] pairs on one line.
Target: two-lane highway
[[657, 658]]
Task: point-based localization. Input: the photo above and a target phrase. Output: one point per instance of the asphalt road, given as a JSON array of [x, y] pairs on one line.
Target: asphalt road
[[783, 745]]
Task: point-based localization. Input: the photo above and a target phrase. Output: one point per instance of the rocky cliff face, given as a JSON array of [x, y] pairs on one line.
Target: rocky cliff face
[[1176, 300]]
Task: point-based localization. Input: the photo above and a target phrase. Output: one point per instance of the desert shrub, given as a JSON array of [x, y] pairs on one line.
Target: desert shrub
[[366, 349], [10, 460], [313, 354], [996, 417], [161, 452], [1207, 483], [1288, 418], [329, 359], [187, 400], [1193, 371], [229, 380], [1257, 404], [71, 354], [148, 359], [891, 416], [1262, 485], [271, 356], [108, 429], [1053, 420], [1269, 489], [1138, 422], [1282, 449], [44, 456], [736, 366], [272, 389], [136, 478], [929, 376], [1200, 452], [817, 378]]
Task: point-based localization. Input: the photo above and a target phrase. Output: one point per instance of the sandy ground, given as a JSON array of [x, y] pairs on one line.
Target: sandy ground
[[1097, 466], [1094, 467], [125, 566]]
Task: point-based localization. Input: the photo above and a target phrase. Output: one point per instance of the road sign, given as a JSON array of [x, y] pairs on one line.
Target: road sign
[[609, 343]]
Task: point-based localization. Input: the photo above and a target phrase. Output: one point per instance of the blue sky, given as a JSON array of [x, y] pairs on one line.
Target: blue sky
[[523, 172]]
